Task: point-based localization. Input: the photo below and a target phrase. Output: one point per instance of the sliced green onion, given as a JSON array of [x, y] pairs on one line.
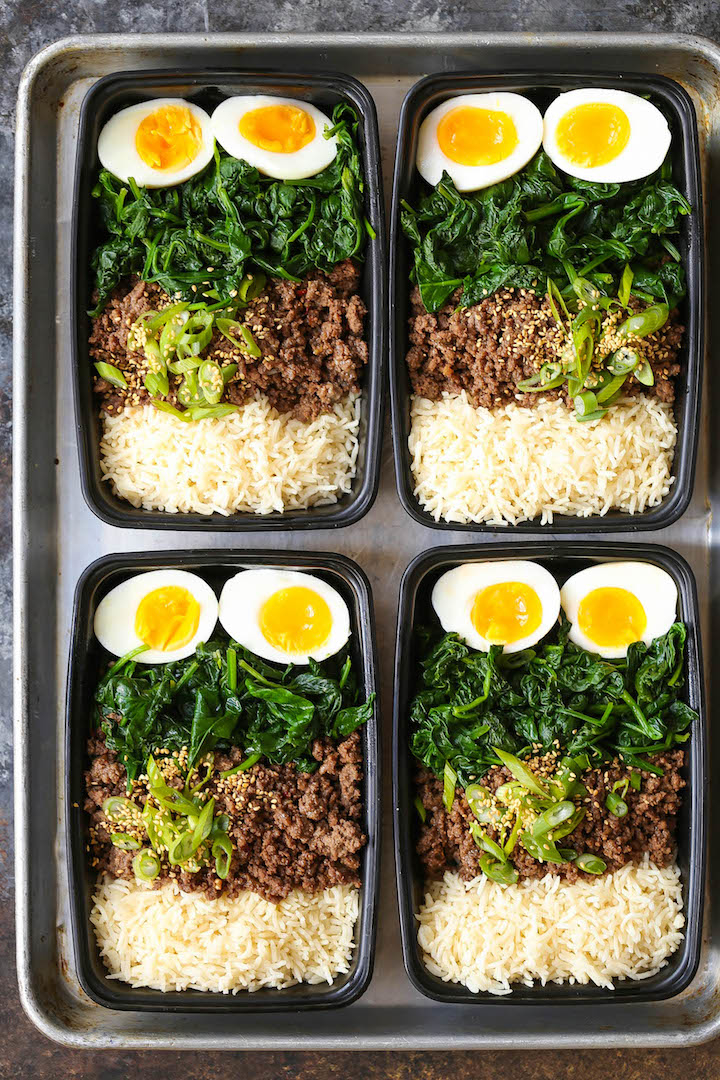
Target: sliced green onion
[[645, 374], [204, 825], [551, 818], [480, 802], [157, 383], [182, 848], [146, 865], [591, 864], [520, 772], [585, 403], [211, 381], [165, 406], [422, 812], [502, 872], [565, 783], [541, 848], [645, 322], [509, 845], [635, 780], [248, 343], [623, 361], [246, 764], [569, 826], [124, 841], [611, 388], [449, 782], [114, 805], [111, 374], [616, 804], [251, 286], [222, 854]]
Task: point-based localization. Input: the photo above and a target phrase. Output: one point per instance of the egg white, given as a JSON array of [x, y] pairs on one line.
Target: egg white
[[432, 162], [117, 152], [646, 147], [653, 587], [115, 614], [454, 594], [242, 599], [307, 161]]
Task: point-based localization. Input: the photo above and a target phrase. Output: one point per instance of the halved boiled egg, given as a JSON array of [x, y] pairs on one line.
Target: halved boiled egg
[[513, 604], [158, 143], [607, 136], [281, 137], [614, 604], [284, 615], [478, 139], [171, 611]]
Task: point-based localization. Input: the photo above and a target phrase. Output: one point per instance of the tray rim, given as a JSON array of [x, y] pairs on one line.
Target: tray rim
[[59, 1029]]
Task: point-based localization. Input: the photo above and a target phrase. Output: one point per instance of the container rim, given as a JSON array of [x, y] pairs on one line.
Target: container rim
[[418, 99], [351, 506], [667, 983], [302, 996]]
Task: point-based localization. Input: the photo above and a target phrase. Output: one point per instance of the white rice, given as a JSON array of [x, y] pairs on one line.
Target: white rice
[[487, 936], [515, 463], [256, 459], [173, 940]]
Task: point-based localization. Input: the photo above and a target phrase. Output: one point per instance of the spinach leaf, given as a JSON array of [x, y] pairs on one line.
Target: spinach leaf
[[224, 695], [538, 224], [557, 694]]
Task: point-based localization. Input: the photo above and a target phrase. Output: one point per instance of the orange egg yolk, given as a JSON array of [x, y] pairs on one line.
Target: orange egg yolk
[[506, 612], [295, 620], [169, 138], [612, 617], [592, 134], [471, 136], [167, 618], [283, 129]]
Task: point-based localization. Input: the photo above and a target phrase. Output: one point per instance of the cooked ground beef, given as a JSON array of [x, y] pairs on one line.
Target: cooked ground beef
[[445, 842], [310, 335], [488, 349], [289, 830]]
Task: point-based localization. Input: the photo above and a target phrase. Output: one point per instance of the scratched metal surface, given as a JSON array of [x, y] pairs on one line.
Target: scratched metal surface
[[56, 536]]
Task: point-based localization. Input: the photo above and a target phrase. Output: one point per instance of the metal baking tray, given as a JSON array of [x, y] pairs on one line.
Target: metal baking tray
[[206, 88], [215, 567], [562, 559], [57, 536], [543, 87]]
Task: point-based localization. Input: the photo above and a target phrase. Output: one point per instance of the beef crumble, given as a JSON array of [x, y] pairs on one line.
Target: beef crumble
[[289, 830], [445, 842], [310, 335], [486, 350]]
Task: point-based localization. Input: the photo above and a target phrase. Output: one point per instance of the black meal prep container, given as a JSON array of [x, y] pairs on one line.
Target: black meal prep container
[[542, 88], [562, 559], [84, 670], [207, 88]]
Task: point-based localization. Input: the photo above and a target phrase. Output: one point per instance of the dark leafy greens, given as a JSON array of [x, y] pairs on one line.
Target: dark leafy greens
[[200, 238], [470, 702], [222, 696], [542, 224]]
